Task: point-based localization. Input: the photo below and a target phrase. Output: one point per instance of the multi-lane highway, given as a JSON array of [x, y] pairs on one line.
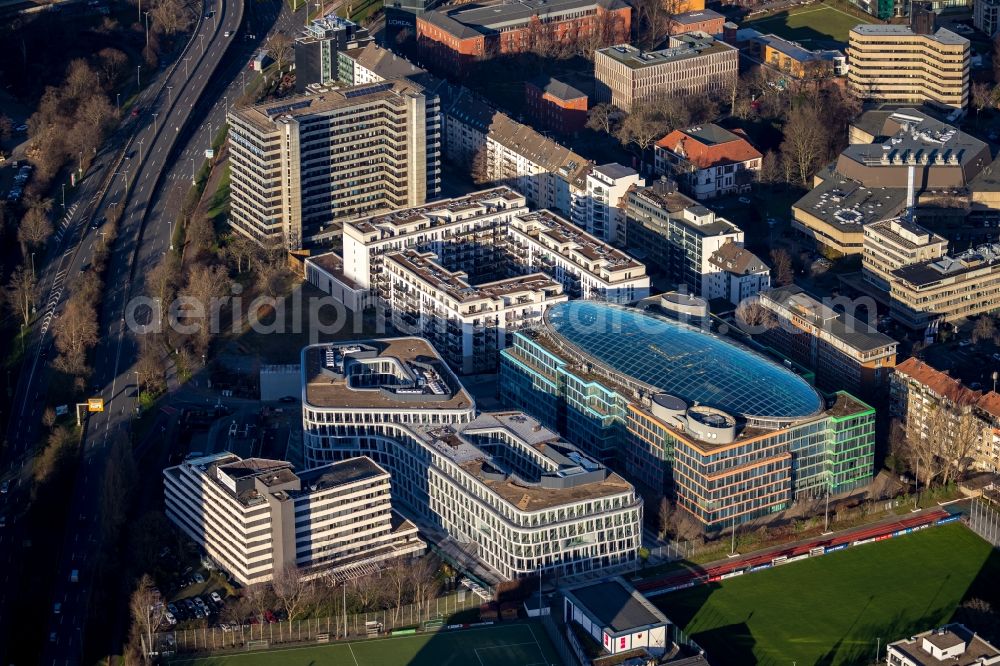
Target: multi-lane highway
[[146, 169]]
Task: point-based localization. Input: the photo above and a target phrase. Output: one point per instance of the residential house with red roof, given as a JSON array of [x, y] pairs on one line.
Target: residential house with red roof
[[708, 161]]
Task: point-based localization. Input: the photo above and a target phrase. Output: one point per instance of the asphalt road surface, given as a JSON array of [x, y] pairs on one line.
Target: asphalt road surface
[[146, 167]]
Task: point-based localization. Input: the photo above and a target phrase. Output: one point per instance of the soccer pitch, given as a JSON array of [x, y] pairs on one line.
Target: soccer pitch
[[833, 609], [507, 644], [814, 26]]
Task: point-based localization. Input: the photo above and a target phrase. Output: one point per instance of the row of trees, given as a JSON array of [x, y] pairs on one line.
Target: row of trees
[[399, 583]]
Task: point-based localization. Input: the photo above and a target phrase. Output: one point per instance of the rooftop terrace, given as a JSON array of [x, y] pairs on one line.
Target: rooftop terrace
[[394, 373]]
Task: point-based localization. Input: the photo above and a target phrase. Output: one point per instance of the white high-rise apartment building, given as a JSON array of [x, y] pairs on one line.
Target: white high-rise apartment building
[[599, 209], [303, 165], [504, 487], [255, 517]]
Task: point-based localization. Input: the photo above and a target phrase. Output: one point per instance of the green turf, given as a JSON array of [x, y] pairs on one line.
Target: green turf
[[830, 610], [507, 644], [814, 26]]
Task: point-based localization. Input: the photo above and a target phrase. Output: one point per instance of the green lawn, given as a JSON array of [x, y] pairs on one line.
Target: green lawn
[[814, 26], [507, 644], [831, 610]]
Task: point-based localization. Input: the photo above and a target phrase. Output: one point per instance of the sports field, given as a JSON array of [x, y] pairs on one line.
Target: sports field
[[813, 26], [506, 644], [831, 610]]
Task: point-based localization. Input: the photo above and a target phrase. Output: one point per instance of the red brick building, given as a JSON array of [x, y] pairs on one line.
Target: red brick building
[[555, 105], [453, 38], [702, 20]]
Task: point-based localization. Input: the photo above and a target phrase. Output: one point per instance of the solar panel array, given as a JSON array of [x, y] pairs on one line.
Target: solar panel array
[[683, 361]]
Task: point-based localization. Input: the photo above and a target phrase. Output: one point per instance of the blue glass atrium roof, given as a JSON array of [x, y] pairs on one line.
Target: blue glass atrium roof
[[684, 361]]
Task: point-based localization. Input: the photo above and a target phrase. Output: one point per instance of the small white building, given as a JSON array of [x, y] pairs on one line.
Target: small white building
[[952, 644], [617, 616], [739, 274]]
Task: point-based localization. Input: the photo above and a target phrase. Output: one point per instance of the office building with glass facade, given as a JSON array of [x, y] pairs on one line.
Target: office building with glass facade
[[730, 434]]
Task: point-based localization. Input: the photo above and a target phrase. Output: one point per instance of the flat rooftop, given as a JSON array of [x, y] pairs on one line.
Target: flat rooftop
[[568, 239], [974, 651], [853, 332], [941, 35], [847, 204], [340, 473], [565, 475], [491, 17], [927, 273], [616, 605], [437, 213], [426, 382], [692, 45], [333, 263], [904, 233], [456, 285], [266, 115]]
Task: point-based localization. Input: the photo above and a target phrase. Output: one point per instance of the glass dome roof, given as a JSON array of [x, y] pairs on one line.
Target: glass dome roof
[[684, 361]]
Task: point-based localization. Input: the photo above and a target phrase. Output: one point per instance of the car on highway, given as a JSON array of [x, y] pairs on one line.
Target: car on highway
[[74, 576], [56, 608], [5, 487], [226, 33], [3, 520], [52, 637], [135, 112], [96, 224], [288, 398]]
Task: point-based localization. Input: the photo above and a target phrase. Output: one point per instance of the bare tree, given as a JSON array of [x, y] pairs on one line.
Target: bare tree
[[21, 292], [170, 17], [206, 285], [601, 118], [35, 228], [755, 316], [149, 366], [241, 249], [805, 142], [6, 127], [147, 611], [292, 590], [982, 96], [424, 582], [479, 170], [958, 448], [259, 598], [782, 267], [984, 330], [397, 579], [663, 516], [279, 47], [113, 64], [75, 333]]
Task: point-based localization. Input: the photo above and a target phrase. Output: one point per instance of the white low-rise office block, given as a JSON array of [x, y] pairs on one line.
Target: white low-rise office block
[[255, 517], [502, 486]]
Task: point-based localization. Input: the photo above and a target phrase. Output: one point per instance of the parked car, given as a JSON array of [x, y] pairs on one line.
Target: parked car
[[21, 129], [216, 598], [170, 618], [198, 578]]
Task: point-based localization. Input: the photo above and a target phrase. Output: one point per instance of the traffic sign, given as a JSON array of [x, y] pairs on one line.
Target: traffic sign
[[95, 404]]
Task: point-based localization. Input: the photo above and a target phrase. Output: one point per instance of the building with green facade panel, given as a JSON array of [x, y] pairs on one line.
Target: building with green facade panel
[[728, 433]]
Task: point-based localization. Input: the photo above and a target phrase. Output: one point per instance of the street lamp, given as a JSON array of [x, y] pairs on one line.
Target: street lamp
[[138, 83], [169, 96], [187, 71], [140, 149], [118, 102], [32, 265], [147, 29], [64, 197], [154, 122], [124, 174], [193, 180], [202, 38]]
